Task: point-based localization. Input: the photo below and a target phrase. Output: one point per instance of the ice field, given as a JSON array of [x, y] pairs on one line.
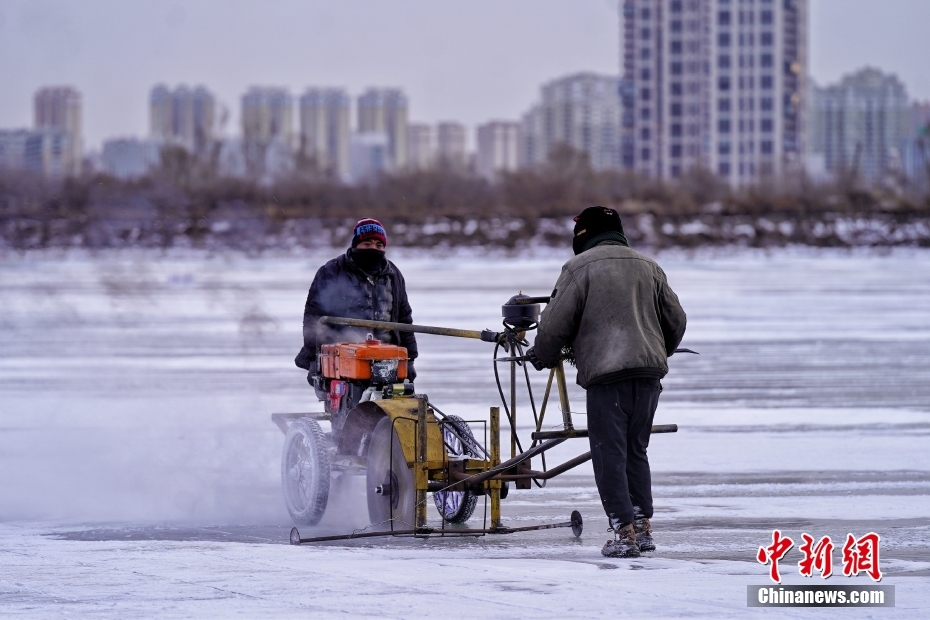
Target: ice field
[[140, 473]]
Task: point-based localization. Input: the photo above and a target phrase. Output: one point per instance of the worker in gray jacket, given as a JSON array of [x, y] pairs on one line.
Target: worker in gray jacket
[[614, 308]]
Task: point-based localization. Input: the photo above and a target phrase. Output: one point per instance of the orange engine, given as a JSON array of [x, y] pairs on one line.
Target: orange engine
[[367, 361]]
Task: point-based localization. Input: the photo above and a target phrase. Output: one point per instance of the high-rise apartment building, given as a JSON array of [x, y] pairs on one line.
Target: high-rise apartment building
[[58, 110], [861, 124], [451, 145], [324, 129], [531, 150], [183, 117], [267, 114], [717, 84], [581, 111], [129, 158], [46, 152], [384, 111], [497, 148], [919, 114], [917, 149], [421, 153], [267, 128], [369, 156]]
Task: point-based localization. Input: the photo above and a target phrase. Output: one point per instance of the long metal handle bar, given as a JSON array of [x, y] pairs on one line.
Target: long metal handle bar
[[583, 432], [297, 540], [522, 358], [486, 335]]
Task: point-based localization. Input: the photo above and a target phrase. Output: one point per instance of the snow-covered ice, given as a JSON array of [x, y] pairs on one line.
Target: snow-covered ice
[[139, 469]]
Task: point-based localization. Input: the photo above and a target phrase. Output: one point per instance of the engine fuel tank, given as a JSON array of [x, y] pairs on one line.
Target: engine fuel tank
[[364, 361]]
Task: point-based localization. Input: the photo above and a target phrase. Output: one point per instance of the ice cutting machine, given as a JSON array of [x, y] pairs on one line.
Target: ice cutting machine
[[407, 447]]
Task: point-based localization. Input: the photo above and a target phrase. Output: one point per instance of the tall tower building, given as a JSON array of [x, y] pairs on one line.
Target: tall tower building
[[384, 111], [583, 111], [531, 151], [44, 151], [497, 148], [451, 144], [917, 149], [718, 84], [421, 154], [324, 128], [267, 113], [919, 118], [861, 124], [57, 110], [184, 117], [161, 114], [267, 128]]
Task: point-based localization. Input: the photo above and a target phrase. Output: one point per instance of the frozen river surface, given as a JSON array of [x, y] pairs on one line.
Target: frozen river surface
[[139, 469]]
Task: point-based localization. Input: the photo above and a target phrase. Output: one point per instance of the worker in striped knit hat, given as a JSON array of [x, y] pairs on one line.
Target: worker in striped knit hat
[[360, 284]]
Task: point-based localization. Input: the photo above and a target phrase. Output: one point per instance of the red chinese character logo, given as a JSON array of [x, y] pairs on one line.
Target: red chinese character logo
[[774, 552], [819, 556], [862, 556]]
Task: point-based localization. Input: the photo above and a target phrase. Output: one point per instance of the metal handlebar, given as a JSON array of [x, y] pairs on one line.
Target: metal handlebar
[[486, 335]]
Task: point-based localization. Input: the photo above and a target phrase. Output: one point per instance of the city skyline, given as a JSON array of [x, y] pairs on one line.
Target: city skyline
[[495, 73], [582, 111]]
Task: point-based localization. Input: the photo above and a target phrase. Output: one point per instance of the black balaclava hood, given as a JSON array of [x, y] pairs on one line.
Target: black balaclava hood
[[369, 260], [594, 222]]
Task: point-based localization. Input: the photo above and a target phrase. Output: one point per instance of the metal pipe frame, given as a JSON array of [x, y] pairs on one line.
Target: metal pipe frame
[[552, 439], [583, 432], [407, 327], [576, 524], [421, 473], [495, 486], [550, 473]]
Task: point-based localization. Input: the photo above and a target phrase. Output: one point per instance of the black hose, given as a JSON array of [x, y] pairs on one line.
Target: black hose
[[529, 389], [516, 349], [500, 390]]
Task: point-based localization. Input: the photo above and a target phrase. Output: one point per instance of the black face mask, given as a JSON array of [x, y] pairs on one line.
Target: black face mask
[[369, 260], [579, 241]]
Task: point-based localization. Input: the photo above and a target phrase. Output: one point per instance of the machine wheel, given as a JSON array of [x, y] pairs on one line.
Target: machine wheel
[[456, 506], [390, 487], [305, 471]]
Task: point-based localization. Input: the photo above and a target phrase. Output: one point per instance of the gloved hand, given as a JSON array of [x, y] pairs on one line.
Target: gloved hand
[[530, 356], [411, 371], [306, 359]]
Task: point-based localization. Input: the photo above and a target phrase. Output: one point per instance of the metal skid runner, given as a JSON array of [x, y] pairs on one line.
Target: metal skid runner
[[408, 448]]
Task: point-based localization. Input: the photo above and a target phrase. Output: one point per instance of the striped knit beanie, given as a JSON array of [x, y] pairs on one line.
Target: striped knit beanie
[[369, 229]]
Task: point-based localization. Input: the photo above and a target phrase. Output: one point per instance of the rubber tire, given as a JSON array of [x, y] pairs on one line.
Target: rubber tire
[[305, 458], [463, 502], [385, 457]]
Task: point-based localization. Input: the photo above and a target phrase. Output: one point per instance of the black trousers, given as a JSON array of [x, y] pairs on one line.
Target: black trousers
[[619, 423]]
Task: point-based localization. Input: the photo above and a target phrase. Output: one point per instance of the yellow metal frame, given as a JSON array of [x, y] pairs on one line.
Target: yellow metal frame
[[420, 438], [404, 415]]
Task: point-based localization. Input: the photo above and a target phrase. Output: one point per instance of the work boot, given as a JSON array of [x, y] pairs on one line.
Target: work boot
[[624, 543], [643, 531]]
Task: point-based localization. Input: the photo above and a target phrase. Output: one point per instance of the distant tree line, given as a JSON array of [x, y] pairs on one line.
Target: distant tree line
[[184, 201]]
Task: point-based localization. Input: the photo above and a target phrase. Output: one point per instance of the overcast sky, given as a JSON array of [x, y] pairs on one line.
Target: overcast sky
[[466, 60]]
